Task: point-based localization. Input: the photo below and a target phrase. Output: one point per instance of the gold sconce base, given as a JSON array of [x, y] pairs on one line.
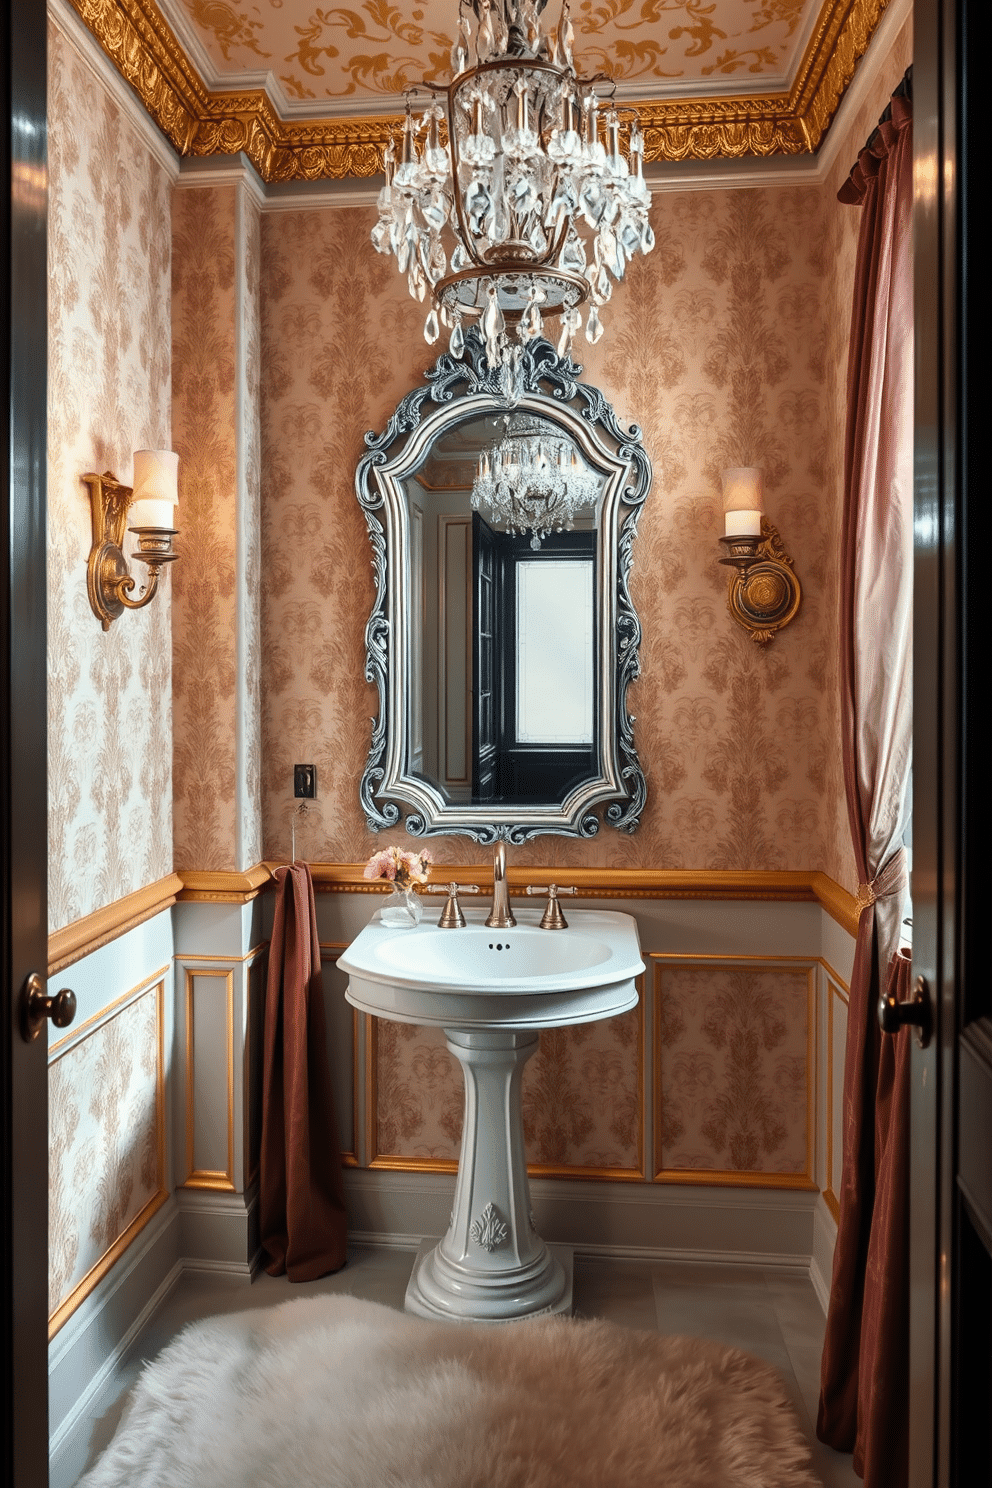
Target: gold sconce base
[[109, 582], [764, 594]]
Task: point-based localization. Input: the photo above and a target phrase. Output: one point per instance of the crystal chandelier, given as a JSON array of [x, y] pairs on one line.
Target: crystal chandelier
[[531, 208], [533, 480]]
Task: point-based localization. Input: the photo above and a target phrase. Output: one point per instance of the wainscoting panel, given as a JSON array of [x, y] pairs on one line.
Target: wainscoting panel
[[107, 1156], [110, 1143], [209, 1024], [583, 1099], [734, 1084]]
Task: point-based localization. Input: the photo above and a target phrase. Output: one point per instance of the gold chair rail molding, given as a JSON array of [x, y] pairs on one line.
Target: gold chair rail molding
[[199, 121], [94, 930], [104, 925]]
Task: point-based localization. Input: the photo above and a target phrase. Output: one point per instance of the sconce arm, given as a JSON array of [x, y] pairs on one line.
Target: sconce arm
[[109, 581]]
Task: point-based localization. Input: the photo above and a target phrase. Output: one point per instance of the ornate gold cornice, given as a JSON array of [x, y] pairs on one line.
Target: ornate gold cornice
[[136, 37]]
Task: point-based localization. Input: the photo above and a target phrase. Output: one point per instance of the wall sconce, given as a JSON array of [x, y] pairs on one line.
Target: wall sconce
[[764, 594], [148, 510]]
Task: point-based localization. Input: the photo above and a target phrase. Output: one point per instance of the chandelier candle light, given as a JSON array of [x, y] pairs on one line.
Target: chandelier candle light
[[533, 480], [531, 209]]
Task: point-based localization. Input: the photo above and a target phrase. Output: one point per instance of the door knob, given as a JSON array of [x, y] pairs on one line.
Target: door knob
[[916, 1013], [36, 1006]]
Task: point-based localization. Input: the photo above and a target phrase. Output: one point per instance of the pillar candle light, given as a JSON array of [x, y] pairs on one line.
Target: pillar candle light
[[743, 501], [156, 492]]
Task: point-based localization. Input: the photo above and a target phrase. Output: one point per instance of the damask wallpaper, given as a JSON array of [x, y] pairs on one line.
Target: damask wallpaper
[[109, 393], [216, 636], [582, 1095], [106, 1115], [717, 345], [732, 1069]]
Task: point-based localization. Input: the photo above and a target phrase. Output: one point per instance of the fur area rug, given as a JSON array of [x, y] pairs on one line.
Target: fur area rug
[[333, 1392]]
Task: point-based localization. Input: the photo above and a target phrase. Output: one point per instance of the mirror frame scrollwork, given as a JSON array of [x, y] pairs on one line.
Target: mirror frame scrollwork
[[453, 391]]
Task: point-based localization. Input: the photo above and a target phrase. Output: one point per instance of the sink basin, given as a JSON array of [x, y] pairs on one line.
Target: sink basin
[[480, 978], [492, 991]]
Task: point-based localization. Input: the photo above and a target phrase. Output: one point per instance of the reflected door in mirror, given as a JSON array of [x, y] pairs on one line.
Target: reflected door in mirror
[[534, 705]]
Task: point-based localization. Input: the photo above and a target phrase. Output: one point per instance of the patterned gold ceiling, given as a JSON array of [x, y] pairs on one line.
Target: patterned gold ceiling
[[371, 51], [309, 92]]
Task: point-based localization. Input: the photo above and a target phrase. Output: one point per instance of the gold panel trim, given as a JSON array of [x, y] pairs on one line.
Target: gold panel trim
[[187, 958], [250, 1162], [837, 981], [112, 1255], [139, 42], [834, 986], [98, 929], [720, 1178], [717, 1178], [81, 1030], [81, 1291], [211, 1178]]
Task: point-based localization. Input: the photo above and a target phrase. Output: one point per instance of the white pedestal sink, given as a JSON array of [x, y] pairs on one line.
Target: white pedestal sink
[[492, 991]]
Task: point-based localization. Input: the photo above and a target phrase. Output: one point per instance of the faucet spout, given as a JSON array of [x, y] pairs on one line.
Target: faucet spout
[[501, 915]]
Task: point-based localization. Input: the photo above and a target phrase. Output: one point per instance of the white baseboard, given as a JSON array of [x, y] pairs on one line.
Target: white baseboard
[[821, 1262], [771, 1228], [218, 1231], [91, 1344]]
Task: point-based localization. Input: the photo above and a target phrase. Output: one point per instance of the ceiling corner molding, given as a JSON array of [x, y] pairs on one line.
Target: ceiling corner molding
[[136, 37], [839, 41]]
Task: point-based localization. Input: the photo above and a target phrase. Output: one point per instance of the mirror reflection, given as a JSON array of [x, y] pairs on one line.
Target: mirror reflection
[[503, 638], [503, 526]]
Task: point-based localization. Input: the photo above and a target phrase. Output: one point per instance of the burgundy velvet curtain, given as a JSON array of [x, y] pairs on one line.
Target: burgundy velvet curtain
[[303, 1220], [865, 1365]]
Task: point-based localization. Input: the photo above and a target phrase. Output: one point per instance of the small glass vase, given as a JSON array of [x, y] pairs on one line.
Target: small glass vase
[[401, 909]]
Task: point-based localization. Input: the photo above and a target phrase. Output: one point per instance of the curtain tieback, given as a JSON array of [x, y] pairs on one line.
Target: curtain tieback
[[891, 880]]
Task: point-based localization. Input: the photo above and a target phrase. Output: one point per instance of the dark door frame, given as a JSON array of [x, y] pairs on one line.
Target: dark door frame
[[23, 774], [950, 1274]]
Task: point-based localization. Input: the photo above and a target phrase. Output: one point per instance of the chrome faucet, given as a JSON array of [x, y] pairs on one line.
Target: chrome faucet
[[501, 915]]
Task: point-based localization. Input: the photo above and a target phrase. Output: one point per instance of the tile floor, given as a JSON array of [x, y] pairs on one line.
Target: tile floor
[[768, 1313]]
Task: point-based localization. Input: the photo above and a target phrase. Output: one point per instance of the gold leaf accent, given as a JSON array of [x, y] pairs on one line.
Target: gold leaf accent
[[138, 40]]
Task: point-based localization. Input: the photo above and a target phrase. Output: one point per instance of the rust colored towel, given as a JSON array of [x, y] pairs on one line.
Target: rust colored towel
[[304, 1226]]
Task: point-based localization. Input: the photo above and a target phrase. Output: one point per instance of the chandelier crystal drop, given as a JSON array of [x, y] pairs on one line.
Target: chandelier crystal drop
[[531, 208], [533, 480]]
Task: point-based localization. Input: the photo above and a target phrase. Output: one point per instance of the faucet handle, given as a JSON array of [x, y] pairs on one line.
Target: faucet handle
[[451, 916], [552, 919]]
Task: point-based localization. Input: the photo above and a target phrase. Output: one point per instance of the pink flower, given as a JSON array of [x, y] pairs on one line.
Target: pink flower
[[381, 865], [404, 868]]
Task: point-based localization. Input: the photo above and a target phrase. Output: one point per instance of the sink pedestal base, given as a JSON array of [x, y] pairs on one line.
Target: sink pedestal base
[[491, 1266]]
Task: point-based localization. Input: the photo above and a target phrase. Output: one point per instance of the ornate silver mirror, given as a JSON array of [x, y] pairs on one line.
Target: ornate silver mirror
[[503, 638]]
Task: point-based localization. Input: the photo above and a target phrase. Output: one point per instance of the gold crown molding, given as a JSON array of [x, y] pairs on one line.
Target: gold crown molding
[[839, 41], [104, 925], [142, 46]]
